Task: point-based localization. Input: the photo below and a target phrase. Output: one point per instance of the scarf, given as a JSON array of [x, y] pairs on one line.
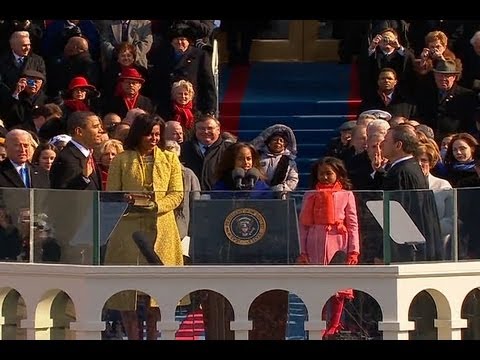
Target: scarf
[[466, 166], [183, 114], [130, 102], [319, 209], [76, 105]]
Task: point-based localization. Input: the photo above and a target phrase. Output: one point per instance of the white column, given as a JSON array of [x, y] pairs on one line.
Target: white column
[[241, 328], [396, 330], [167, 329], [450, 329], [87, 330], [315, 328]]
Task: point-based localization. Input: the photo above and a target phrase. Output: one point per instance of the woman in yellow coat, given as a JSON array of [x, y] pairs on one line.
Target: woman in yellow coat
[[152, 181]]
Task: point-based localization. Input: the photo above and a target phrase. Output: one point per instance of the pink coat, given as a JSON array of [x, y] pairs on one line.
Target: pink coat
[[321, 244]]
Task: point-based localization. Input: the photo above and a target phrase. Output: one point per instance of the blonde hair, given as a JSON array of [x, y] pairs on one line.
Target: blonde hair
[[430, 148], [436, 35], [102, 148], [183, 84]]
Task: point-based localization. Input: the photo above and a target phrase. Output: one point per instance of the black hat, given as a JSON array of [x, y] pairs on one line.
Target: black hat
[[347, 125], [180, 30]]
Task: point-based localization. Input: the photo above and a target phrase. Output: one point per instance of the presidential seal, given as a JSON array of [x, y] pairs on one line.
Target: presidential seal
[[245, 226]]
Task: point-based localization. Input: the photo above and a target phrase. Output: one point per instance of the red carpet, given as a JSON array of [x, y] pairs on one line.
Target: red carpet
[[232, 100], [192, 328]]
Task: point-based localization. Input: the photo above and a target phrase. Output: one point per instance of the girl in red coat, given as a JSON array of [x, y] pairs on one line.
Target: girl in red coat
[[329, 225]]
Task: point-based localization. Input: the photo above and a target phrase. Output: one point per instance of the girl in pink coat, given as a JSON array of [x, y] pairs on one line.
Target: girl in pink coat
[[329, 225]]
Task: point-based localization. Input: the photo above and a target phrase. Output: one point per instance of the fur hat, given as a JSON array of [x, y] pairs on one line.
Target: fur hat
[[181, 30]]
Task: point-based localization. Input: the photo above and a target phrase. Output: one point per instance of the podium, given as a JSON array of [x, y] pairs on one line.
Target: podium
[[244, 231]]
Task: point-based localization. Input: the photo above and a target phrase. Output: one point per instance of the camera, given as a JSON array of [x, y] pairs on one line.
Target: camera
[[31, 82]]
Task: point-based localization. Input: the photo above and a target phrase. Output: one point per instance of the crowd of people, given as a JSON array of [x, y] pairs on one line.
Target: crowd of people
[[129, 107]]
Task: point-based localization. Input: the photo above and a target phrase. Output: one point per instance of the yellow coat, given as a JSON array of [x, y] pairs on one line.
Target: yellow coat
[[127, 174]]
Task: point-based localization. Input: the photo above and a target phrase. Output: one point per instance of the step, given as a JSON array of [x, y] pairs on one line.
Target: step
[[296, 122], [319, 136], [305, 150], [281, 107]]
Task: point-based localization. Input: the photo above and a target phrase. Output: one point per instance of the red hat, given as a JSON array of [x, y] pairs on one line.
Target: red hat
[[131, 73], [80, 82]]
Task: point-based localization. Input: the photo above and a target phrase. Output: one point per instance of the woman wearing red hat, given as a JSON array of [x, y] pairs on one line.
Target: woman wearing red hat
[[79, 95], [128, 97]]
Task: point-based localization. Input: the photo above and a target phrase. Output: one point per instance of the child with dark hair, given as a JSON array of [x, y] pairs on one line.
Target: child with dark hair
[[329, 227]]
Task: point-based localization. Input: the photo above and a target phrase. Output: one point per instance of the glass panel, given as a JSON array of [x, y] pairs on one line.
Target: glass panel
[[64, 226], [276, 30], [14, 224], [370, 226], [414, 227], [467, 201]]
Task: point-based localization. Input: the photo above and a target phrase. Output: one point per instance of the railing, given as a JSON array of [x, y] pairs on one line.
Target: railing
[[241, 248]]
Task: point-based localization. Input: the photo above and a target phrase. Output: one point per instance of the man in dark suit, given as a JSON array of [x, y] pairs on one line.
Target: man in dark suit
[[404, 173], [74, 167], [13, 63], [16, 171], [446, 107]]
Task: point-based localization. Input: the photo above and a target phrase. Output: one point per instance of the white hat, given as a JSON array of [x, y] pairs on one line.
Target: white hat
[[379, 114], [60, 138]]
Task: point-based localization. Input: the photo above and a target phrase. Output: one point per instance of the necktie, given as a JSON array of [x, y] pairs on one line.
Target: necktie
[[20, 62], [204, 148], [441, 95], [25, 177], [124, 30], [386, 99], [91, 160]]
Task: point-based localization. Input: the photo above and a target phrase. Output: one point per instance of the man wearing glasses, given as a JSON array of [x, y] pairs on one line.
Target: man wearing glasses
[[203, 152]]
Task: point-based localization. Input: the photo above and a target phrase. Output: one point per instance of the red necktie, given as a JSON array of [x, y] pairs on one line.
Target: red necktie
[[91, 160]]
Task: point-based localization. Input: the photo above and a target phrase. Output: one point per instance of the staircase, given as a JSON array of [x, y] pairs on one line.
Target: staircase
[[311, 98], [314, 99]]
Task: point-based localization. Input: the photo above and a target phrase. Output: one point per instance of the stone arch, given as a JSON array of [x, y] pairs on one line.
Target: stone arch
[[297, 315], [470, 310], [427, 306], [138, 301], [53, 315], [217, 313], [189, 313], [360, 315], [12, 311], [268, 312]]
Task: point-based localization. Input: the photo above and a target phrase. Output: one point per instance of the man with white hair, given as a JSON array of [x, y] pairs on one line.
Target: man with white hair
[[13, 63], [378, 126], [174, 131], [16, 171]]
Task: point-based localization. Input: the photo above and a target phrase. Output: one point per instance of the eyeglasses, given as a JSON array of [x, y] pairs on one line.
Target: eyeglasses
[[207, 129]]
